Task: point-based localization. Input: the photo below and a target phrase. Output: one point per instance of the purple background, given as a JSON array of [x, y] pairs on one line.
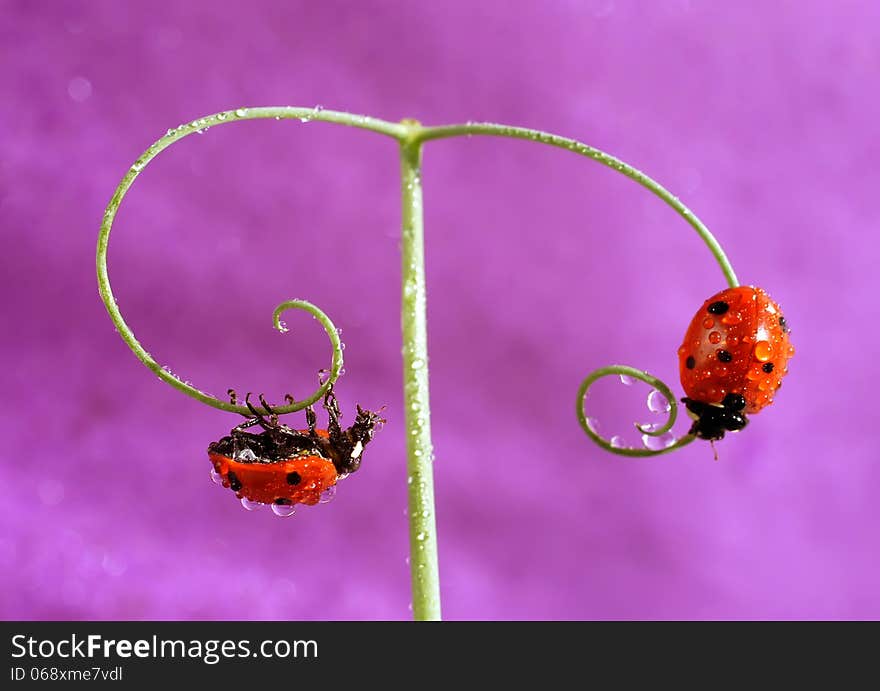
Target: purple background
[[541, 266]]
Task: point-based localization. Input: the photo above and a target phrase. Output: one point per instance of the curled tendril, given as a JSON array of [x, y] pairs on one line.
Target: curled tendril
[[172, 136], [650, 431]]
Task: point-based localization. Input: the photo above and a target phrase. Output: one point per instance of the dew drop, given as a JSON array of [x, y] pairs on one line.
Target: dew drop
[[245, 455], [626, 380], [241, 112], [593, 424], [221, 116], [421, 536], [617, 442], [283, 510], [79, 89], [664, 441], [328, 495], [731, 318], [418, 363], [763, 351], [250, 505], [657, 402]]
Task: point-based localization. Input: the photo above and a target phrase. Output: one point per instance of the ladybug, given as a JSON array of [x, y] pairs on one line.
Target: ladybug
[[282, 466], [734, 355]]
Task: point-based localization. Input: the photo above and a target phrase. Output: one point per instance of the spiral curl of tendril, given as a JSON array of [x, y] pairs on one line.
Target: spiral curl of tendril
[[624, 370], [106, 292]]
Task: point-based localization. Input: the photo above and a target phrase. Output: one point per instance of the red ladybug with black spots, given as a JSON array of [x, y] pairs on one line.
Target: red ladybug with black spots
[[734, 355], [284, 466]]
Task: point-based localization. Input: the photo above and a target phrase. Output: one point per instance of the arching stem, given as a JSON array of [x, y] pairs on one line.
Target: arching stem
[[419, 451], [490, 129]]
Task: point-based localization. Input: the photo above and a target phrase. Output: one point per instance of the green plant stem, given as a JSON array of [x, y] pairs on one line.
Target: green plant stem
[[419, 450], [490, 129]]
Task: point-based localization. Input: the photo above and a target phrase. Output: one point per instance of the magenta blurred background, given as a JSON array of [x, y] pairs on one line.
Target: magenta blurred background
[[541, 266]]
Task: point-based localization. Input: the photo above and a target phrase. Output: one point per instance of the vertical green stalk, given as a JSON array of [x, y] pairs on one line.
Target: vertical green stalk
[[420, 478]]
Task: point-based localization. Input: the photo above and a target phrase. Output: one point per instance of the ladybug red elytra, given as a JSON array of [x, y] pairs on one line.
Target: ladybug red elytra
[[283, 466], [734, 355]]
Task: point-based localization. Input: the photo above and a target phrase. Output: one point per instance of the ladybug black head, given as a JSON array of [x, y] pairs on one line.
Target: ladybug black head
[[712, 421]]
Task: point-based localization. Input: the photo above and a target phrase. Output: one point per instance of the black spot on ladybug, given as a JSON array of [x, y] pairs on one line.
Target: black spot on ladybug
[[234, 483], [283, 502], [294, 478], [690, 363], [767, 367], [784, 325], [724, 356], [719, 307]]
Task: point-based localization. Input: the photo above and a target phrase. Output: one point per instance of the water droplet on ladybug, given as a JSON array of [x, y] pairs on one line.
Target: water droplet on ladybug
[[245, 455], [763, 351], [714, 338], [284, 510], [731, 318], [250, 505], [708, 323], [328, 495], [216, 477]]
